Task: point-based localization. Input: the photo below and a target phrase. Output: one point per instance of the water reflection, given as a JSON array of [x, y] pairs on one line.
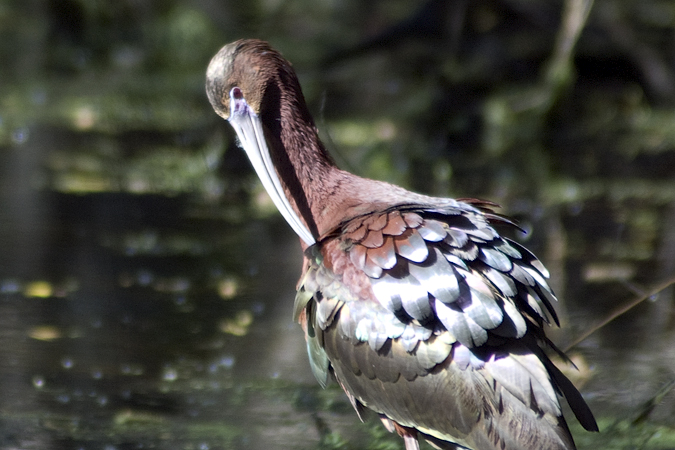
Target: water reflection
[[144, 320]]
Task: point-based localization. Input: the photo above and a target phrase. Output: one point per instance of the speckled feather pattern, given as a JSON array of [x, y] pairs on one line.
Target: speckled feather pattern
[[411, 305], [440, 269]]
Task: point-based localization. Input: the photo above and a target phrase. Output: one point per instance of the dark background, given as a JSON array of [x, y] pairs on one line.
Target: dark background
[[146, 282]]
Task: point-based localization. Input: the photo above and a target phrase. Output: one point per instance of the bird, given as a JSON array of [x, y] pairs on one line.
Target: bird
[[419, 309]]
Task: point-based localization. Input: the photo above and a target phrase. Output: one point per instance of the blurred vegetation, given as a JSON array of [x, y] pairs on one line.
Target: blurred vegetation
[[562, 111]]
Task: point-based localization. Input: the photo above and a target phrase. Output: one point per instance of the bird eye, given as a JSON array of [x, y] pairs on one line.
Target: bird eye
[[236, 93]]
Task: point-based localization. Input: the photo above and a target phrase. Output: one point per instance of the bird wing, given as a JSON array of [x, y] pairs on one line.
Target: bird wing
[[412, 305]]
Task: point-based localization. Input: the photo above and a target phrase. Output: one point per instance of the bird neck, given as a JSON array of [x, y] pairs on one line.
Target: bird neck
[[306, 171], [321, 194]]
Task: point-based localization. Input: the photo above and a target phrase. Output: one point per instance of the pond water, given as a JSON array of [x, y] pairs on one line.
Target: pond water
[[126, 324], [146, 285]]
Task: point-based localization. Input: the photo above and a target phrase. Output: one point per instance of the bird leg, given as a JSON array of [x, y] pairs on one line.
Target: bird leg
[[409, 435], [411, 442]]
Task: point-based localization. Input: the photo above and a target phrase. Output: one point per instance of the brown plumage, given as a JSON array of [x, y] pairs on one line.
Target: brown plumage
[[415, 304]]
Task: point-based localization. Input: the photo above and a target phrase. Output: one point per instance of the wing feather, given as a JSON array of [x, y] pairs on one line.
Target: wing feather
[[443, 302], [385, 255], [395, 225], [411, 246], [437, 276]]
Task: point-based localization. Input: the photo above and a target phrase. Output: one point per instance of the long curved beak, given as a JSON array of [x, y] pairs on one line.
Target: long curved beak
[[248, 127]]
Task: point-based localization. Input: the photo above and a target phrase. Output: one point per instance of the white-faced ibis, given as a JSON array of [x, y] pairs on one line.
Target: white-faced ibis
[[421, 311]]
